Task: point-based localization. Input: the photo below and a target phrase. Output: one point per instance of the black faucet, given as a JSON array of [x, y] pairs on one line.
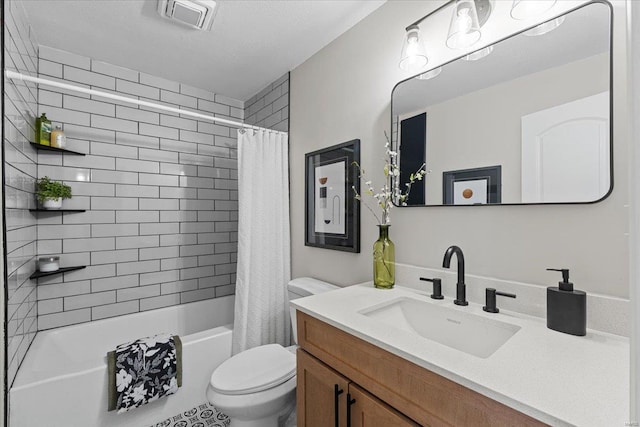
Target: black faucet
[[437, 287], [490, 300], [461, 297]]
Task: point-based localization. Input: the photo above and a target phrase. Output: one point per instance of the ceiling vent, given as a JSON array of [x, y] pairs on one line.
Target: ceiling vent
[[197, 14]]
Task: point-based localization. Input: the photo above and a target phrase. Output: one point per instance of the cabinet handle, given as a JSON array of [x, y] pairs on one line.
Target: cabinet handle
[[350, 402], [337, 391]]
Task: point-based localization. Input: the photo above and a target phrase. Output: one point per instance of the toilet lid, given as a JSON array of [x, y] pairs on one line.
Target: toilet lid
[[254, 370]]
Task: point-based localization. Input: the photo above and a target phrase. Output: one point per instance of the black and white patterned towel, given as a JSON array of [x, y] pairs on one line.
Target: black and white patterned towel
[[145, 370]]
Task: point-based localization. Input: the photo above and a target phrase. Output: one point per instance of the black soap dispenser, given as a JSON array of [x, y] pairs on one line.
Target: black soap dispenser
[[566, 307]]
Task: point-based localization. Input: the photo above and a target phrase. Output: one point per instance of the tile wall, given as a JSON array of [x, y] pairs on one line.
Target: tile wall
[[20, 170], [269, 108], [159, 189]]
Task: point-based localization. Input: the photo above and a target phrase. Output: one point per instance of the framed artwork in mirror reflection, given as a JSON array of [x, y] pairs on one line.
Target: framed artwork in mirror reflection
[[478, 186], [332, 215]]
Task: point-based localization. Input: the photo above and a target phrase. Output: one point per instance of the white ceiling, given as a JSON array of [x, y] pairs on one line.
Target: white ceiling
[[252, 42]]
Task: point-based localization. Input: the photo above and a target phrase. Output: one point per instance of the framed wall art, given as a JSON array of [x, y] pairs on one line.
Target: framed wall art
[[478, 186], [332, 213]]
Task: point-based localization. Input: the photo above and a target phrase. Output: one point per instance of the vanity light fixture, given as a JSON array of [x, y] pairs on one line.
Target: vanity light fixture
[[545, 27], [524, 9], [464, 30], [414, 55], [478, 54]]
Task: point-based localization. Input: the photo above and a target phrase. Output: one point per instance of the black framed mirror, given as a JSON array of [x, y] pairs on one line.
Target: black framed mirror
[[535, 114]]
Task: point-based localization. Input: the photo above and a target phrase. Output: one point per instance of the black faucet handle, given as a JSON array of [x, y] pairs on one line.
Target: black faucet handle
[[490, 299], [437, 287]]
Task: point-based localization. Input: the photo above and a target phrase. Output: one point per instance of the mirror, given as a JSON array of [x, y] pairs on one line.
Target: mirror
[[527, 124]]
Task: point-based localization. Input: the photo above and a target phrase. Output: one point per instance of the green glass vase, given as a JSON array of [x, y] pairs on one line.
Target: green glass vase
[[384, 260]]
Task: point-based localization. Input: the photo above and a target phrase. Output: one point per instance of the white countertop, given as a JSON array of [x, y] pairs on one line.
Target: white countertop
[[554, 377]]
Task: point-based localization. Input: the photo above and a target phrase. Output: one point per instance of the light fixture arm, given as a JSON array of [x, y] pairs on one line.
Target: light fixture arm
[[483, 7], [429, 14]]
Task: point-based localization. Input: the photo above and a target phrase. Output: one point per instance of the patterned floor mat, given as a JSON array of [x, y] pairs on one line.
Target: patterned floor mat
[[203, 415]]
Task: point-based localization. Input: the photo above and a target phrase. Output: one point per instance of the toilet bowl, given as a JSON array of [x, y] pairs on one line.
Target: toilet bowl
[[257, 387]]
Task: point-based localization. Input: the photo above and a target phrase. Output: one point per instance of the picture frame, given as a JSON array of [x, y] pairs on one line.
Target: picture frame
[[477, 186], [332, 214]]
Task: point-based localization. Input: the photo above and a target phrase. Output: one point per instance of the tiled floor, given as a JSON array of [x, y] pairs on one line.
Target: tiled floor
[[203, 415]]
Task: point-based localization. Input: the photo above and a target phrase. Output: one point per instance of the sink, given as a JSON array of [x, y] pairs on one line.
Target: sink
[[462, 331]]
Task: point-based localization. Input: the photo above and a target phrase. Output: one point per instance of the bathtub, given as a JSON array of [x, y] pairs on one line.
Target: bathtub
[[63, 378]]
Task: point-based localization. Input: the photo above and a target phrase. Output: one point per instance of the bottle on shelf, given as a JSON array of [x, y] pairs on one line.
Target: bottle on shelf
[[43, 130], [58, 139]]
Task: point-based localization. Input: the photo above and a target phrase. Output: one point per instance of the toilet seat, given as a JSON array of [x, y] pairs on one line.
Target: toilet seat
[[254, 370]]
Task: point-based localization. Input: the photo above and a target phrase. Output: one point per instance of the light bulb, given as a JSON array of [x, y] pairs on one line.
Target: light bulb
[[413, 56], [464, 21], [464, 29]]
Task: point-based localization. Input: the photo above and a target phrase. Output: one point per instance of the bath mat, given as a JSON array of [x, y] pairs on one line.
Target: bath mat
[[204, 415]]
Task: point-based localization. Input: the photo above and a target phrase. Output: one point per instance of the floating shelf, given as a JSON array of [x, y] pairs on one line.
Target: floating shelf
[[57, 210], [56, 149], [36, 274]]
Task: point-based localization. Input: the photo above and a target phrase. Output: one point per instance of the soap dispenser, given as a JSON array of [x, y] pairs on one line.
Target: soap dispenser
[[566, 307]]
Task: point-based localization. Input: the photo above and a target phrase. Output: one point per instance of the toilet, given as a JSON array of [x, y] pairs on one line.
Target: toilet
[[257, 387]]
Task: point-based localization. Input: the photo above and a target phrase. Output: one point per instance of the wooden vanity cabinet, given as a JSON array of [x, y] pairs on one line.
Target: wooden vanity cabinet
[[326, 398], [365, 410], [335, 367], [321, 393]]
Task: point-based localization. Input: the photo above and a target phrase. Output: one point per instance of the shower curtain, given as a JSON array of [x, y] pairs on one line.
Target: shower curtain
[[261, 304]]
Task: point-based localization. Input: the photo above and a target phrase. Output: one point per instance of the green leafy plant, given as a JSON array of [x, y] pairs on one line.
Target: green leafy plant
[[51, 190]]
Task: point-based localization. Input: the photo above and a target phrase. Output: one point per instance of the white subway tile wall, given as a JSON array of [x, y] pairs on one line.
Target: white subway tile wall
[[269, 108], [20, 171], [160, 191]]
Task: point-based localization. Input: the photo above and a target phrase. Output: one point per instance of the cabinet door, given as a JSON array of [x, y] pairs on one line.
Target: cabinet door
[[321, 394], [365, 410]]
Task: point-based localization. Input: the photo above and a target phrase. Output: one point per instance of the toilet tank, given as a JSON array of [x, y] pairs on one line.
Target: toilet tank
[[303, 287]]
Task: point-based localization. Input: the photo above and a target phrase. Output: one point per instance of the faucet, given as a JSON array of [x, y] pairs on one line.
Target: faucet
[[461, 298]]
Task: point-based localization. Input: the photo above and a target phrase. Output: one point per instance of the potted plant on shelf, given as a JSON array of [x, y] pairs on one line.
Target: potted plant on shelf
[[50, 193]]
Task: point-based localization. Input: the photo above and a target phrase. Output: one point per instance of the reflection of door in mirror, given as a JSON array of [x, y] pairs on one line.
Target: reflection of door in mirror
[[565, 152], [413, 139]]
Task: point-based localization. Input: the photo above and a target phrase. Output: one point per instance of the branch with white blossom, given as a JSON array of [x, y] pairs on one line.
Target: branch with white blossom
[[384, 198]]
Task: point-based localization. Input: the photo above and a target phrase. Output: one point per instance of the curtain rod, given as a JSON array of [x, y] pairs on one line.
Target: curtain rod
[[19, 76]]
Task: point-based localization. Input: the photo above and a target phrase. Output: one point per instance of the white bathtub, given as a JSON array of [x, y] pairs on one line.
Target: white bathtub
[[63, 379]]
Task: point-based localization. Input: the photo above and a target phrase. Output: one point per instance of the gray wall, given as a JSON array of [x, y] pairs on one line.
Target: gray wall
[[269, 108], [348, 85], [160, 193], [20, 170]]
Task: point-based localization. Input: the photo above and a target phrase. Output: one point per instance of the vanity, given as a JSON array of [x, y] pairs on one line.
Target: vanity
[[371, 357]]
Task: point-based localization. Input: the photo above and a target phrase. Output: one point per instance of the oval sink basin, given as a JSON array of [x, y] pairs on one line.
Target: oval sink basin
[[466, 332]]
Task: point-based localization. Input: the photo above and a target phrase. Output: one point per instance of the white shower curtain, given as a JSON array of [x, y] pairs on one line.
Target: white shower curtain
[[261, 307]]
